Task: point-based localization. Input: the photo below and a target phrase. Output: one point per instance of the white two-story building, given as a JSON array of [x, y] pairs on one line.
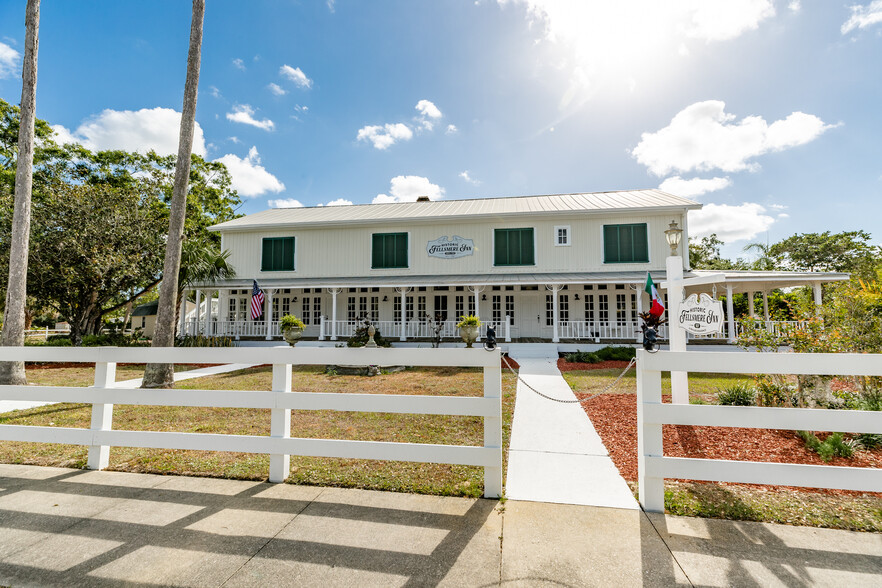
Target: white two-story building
[[558, 267]]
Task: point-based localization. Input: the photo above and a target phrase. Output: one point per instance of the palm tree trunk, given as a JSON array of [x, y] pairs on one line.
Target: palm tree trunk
[[162, 375], [13, 372]]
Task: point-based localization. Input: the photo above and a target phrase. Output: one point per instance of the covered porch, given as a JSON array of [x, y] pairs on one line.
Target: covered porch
[[560, 307]]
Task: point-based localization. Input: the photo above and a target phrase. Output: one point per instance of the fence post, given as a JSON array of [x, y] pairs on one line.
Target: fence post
[[102, 416], [493, 428], [280, 464], [321, 336], [649, 437]]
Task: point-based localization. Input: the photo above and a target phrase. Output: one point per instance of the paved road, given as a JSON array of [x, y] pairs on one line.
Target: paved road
[[63, 527]]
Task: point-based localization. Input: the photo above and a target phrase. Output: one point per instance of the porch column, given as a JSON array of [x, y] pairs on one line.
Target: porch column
[[403, 290], [819, 298], [476, 290], [268, 312], [555, 335], [765, 306], [334, 292], [198, 312], [639, 310], [183, 318], [209, 298], [223, 311], [750, 305], [508, 328], [730, 312]]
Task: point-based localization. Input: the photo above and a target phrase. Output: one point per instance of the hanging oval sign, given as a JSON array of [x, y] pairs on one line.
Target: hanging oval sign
[[450, 248], [701, 315]]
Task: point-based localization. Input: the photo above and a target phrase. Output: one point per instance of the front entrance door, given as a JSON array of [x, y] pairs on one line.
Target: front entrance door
[[528, 315]]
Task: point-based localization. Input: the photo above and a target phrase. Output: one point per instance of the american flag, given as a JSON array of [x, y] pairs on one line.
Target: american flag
[[256, 301]]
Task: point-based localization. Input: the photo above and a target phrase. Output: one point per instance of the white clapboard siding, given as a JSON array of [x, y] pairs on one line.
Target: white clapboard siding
[[280, 401], [654, 467]]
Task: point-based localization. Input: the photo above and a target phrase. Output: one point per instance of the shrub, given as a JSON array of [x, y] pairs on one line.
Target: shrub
[[772, 393], [737, 395], [289, 321], [834, 445], [360, 337], [203, 341], [114, 340], [468, 321], [582, 357], [616, 353], [869, 440]]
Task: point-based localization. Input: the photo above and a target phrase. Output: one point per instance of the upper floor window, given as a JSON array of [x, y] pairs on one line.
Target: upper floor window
[[625, 244], [513, 247], [278, 254], [389, 250], [562, 236]]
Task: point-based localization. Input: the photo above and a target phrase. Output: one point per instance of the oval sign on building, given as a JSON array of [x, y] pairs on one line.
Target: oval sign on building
[[701, 314], [450, 248]]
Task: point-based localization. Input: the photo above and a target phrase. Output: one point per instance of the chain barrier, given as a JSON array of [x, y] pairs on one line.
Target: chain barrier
[[631, 364]]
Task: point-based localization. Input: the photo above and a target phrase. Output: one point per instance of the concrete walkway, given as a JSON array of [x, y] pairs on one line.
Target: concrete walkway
[[63, 527], [555, 455], [9, 405]]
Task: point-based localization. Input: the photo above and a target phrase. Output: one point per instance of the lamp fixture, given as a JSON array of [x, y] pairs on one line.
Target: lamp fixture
[[576, 297], [294, 299], [484, 297], [385, 299], [673, 236]]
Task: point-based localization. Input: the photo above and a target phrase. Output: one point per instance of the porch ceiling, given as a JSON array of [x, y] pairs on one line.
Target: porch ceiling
[[742, 281]]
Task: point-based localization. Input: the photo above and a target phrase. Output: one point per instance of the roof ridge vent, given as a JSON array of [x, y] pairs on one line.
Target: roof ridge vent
[[423, 199]]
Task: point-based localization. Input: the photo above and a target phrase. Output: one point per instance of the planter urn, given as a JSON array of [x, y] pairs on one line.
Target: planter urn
[[469, 334], [292, 335]]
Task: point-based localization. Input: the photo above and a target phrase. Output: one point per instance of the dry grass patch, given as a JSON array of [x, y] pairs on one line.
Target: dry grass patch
[[382, 475]]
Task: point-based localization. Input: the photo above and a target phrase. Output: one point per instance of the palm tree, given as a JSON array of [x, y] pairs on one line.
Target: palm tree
[[201, 263], [765, 261], [13, 372], [162, 375]]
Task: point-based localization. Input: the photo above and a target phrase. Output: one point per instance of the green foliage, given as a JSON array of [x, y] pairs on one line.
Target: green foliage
[[833, 446], [582, 357], [704, 253], [360, 337], [203, 341], [102, 340], [868, 440], [289, 321], [739, 394], [850, 251], [772, 391], [468, 321], [616, 353]]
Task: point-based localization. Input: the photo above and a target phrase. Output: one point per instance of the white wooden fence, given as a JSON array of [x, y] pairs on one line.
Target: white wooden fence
[[281, 400], [654, 467]]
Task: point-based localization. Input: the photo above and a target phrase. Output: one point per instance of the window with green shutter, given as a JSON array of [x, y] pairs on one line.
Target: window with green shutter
[[513, 247], [389, 250], [625, 244], [277, 255]]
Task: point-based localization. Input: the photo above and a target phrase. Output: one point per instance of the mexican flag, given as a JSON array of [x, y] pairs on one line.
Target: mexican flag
[[657, 308]]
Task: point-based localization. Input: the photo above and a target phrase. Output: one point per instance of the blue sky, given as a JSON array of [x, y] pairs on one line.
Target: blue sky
[[767, 112]]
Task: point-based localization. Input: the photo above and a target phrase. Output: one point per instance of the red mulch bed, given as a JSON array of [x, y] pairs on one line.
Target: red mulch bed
[[512, 363], [566, 366], [615, 418]]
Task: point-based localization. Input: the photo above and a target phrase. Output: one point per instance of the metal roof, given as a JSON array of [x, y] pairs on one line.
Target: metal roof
[[592, 202], [742, 281]]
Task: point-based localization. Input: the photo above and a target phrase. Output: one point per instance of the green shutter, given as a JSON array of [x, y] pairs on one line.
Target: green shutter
[[277, 254], [266, 260], [528, 256], [641, 244], [388, 250], [625, 244], [500, 247], [513, 247]]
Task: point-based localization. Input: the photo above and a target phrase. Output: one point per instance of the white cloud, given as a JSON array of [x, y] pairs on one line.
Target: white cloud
[[239, 64], [330, 4], [693, 187], [235, 140], [214, 92], [284, 203], [296, 75], [730, 223], [139, 130], [408, 189], [243, 113], [795, 5], [722, 20], [8, 60], [339, 202], [250, 178], [428, 112], [277, 89], [465, 175], [863, 16], [703, 137], [451, 130], [385, 136]]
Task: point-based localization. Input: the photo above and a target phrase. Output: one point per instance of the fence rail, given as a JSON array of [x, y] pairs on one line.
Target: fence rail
[[654, 467], [280, 401]]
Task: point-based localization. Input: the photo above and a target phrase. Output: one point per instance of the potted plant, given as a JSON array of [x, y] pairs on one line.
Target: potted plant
[[291, 328], [468, 329]]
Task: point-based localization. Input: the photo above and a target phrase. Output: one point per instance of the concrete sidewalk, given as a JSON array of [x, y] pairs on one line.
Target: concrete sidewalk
[[555, 455], [10, 405], [63, 527]]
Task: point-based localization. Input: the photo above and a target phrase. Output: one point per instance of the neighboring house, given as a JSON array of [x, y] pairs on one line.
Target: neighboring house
[[144, 317], [568, 266]]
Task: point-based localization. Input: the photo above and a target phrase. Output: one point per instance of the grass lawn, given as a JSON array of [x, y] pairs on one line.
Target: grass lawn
[[443, 479], [702, 387], [82, 376]]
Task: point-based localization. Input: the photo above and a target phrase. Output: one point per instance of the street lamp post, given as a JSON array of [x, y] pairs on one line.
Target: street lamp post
[[677, 336]]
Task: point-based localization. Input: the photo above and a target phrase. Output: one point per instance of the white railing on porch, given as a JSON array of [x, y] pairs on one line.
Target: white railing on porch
[[280, 401], [654, 467], [413, 329]]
